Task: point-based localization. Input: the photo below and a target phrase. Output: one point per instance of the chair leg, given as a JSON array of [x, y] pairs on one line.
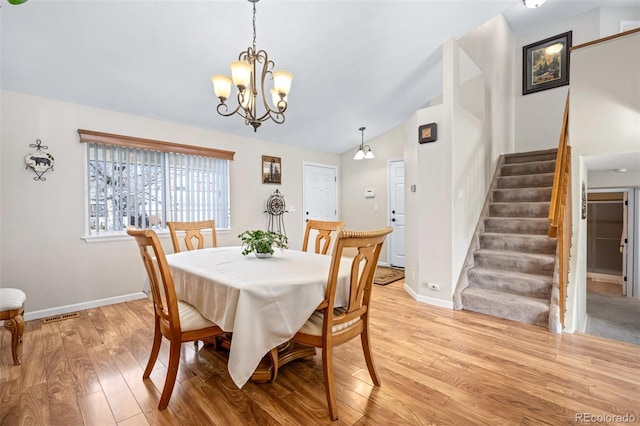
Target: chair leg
[[16, 326], [329, 387], [172, 372], [157, 339], [368, 356]]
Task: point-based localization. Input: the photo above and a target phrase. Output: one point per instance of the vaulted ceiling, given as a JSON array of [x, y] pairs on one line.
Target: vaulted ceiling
[[355, 63]]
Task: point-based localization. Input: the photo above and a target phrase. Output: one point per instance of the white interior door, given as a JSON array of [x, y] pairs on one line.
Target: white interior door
[[320, 198], [396, 213]]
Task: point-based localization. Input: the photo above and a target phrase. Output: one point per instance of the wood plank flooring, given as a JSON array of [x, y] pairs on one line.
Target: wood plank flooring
[[438, 367]]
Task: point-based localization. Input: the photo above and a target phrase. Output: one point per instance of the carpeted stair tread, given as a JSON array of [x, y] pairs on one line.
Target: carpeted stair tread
[[529, 263], [530, 285], [522, 209], [527, 157], [526, 181], [518, 243], [522, 194], [507, 305], [520, 225], [519, 169]]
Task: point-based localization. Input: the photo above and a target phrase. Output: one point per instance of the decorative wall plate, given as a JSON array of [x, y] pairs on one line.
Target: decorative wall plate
[[40, 162]]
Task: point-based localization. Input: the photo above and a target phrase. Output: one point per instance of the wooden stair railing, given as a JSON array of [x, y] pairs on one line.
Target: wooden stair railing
[[560, 210]]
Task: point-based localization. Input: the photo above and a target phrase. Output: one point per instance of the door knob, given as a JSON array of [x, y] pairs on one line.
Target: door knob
[[393, 220]]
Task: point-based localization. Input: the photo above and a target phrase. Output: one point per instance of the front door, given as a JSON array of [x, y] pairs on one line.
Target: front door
[[396, 213]]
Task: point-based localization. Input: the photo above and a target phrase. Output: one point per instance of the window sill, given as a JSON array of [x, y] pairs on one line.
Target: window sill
[[123, 236]]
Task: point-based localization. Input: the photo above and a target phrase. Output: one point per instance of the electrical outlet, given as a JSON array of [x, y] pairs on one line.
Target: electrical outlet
[[434, 286]]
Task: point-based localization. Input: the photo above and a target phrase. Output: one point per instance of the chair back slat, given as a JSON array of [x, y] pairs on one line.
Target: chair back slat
[[160, 280], [324, 231], [192, 231]]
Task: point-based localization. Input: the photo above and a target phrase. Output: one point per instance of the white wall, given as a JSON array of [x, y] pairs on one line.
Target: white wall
[[452, 174], [610, 18], [43, 222], [362, 213], [611, 179], [604, 120], [538, 116]]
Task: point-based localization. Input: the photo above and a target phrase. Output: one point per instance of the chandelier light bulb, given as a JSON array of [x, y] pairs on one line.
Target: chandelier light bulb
[[241, 74], [359, 155], [278, 102], [282, 81], [221, 86]]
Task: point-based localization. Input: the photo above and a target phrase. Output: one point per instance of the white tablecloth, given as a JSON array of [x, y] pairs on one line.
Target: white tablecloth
[[264, 302]]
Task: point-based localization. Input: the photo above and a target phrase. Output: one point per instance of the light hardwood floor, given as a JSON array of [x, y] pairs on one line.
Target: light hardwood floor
[[437, 366]]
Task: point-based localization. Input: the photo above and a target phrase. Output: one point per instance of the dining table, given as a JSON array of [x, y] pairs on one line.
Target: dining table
[[262, 302]]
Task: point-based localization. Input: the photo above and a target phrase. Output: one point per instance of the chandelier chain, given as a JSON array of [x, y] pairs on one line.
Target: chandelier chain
[[254, 26]]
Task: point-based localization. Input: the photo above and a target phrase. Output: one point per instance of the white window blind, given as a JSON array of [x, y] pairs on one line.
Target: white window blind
[[146, 188]]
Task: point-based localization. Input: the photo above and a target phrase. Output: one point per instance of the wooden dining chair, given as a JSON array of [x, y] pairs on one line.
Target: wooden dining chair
[[332, 325], [323, 238], [11, 311], [192, 230], [174, 319]]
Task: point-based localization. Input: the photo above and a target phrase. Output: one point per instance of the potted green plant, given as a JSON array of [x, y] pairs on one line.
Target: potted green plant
[[262, 242]]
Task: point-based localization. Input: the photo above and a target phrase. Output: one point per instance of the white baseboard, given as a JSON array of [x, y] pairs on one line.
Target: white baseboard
[[44, 313], [605, 278], [428, 300]]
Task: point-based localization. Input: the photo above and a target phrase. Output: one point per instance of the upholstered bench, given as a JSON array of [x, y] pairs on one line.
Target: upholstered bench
[[11, 310]]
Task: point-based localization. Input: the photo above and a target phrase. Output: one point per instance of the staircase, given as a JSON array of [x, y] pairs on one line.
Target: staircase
[[509, 272]]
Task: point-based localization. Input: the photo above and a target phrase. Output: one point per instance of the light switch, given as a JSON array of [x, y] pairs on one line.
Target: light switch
[[369, 193]]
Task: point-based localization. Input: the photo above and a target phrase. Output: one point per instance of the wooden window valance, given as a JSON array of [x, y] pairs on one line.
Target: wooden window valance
[[90, 136]]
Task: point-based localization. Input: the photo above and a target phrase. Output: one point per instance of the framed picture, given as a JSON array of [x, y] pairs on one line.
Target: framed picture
[[545, 64], [271, 169], [428, 133]]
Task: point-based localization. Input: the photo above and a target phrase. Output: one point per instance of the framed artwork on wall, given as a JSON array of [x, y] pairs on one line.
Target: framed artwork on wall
[[428, 133], [271, 169], [545, 63]]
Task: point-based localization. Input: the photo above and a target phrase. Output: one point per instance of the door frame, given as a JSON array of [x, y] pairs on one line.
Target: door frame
[[633, 237], [389, 245], [304, 186]]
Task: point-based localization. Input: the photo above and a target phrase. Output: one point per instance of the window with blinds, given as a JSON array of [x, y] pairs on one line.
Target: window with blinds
[[147, 188]]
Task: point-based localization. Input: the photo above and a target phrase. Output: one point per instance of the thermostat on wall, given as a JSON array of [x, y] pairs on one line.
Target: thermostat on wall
[[369, 193]]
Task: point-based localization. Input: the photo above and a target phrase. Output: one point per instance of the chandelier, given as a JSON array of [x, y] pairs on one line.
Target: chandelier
[[364, 151], [253, 64]]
